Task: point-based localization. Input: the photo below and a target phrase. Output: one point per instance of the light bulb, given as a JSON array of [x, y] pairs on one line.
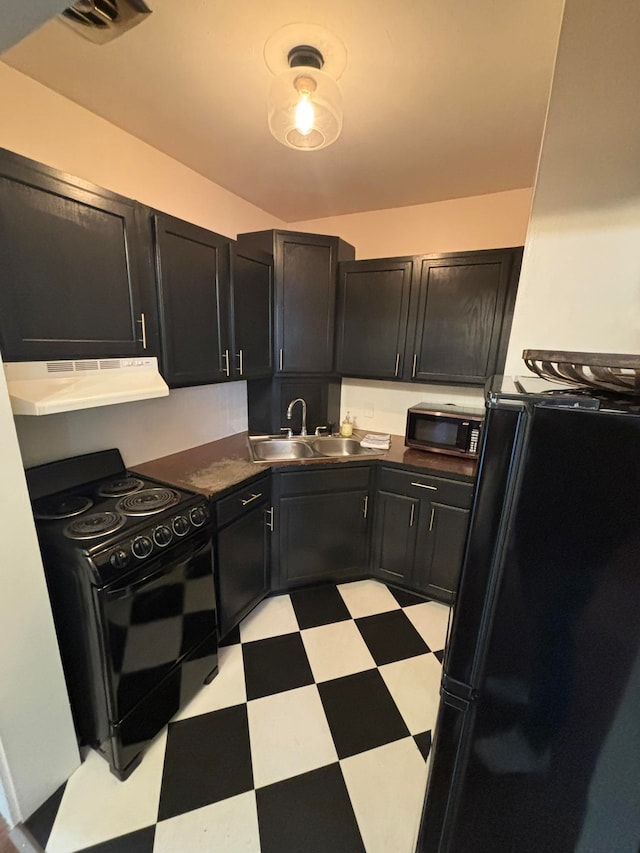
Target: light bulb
[[304, 114]]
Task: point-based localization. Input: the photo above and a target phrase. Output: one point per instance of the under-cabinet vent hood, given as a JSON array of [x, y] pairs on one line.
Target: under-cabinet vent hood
[[101, 21], [47, 387]]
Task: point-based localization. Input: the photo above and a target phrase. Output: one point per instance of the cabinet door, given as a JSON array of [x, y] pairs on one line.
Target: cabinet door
[[373, 303], [192, 271], [252, 312], [459, 305], [76, 275], [440, 550], [243, 566], [305, 273], [322, 537], [396, 525]]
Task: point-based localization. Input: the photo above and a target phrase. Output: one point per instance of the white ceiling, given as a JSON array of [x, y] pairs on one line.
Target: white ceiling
[[442, 98]]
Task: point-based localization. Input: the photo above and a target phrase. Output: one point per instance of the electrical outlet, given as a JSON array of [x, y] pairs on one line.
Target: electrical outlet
[[368, 413]]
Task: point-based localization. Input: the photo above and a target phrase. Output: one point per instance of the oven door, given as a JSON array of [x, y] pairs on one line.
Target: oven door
[[152, 618]]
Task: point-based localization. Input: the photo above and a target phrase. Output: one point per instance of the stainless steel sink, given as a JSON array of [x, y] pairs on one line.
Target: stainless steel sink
[[275, 448], [267, 449], [330, 446]]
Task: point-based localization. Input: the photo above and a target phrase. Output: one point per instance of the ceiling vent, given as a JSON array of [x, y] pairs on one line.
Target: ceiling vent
[[101, 21]]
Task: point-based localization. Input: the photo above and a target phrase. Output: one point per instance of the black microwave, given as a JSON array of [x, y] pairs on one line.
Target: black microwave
[[444, 430]]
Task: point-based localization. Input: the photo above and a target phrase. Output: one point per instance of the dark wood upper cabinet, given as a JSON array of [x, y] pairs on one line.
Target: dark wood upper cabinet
[[305, 270], [252, 302], [75, 274], [192, 273], [372, 311], [461, 315]]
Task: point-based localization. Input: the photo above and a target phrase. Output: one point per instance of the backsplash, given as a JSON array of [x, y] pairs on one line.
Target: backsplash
[[382, 406], [142, 430]]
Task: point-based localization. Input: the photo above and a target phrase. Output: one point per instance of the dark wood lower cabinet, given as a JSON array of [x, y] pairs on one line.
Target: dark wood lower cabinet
[[300, 526], [439, 554], [420, 531], [321, 526], [395, 534], [243, 552]]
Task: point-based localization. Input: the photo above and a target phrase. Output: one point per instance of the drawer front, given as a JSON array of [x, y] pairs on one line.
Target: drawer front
[[342, 478], [426, 487], [243, 500]]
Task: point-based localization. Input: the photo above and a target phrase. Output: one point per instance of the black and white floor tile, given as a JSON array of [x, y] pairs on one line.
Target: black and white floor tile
[[314, 736]]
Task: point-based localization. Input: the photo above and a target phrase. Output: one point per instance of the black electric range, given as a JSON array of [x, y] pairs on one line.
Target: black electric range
[[129, 568]]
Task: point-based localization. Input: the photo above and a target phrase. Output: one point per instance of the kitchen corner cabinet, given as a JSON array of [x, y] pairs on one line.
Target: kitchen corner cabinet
[[420, 531], [77, 281], [461, 315], [321, 523], [252, 302], [243, 520], [192, 274], [305, 273], [372, 311]]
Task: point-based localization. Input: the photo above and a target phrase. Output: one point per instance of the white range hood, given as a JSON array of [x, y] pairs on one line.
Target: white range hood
[[47, 387]]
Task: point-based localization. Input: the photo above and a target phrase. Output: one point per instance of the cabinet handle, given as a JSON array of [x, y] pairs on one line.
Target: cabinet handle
[[280, 362], [252, 498], [413, 511], [366, 506], [415, 362], [433, 512], [240, 367], [269, 514], [424, 486], [395, 373], [143, 330], [225, 369]]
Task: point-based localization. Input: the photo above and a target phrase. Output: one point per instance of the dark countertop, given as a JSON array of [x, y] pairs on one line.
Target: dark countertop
[[214, 467]]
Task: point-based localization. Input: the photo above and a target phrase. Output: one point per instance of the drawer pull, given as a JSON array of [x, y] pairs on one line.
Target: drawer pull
[[413, 512], [246, 501], [269, 514], [433, 512], [424, 486]]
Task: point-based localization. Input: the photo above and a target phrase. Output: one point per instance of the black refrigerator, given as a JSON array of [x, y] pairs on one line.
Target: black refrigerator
[[537, 741]]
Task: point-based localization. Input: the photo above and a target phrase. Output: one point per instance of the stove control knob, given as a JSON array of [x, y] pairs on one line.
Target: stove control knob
[[198, 516], [180, 525], [119, 559], [141, 547], [162, 535]]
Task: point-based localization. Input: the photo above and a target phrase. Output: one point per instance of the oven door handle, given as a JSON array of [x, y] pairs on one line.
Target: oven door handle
[[127, 589]]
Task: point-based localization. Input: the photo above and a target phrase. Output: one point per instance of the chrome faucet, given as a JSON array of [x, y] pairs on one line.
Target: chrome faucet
[[303, 430]]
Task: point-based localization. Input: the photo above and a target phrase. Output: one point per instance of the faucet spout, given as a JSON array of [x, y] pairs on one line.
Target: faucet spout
[[303, 430]]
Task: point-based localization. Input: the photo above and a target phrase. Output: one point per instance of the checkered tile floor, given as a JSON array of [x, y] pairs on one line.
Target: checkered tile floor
[[314, 737]]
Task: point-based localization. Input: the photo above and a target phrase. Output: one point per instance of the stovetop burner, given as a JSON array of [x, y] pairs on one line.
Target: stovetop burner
[[120, 487], [95, 524], [147, 501], [52, 508]]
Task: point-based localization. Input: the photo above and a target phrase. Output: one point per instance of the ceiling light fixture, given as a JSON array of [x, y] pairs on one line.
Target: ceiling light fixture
[[305, 103]]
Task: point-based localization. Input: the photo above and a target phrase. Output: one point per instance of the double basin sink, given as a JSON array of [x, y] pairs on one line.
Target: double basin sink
[[275, 448]]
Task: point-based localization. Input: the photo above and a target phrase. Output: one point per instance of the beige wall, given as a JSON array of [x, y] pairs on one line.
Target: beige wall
[[480, 222], [580, 283], [38, 749]]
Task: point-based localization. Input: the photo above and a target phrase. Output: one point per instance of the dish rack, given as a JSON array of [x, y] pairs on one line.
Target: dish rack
[[605, 371]]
